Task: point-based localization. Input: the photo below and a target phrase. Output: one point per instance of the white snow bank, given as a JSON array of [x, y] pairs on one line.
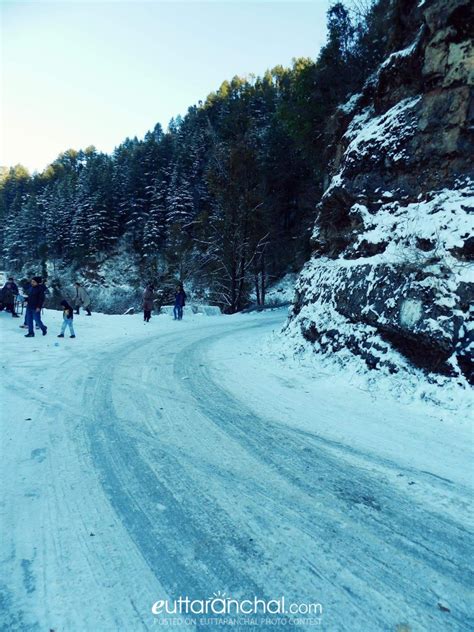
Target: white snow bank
[[193, 309], [410, 386], [410, 422]]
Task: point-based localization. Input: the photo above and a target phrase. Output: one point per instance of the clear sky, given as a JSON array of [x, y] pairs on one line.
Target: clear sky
[[79, 73]]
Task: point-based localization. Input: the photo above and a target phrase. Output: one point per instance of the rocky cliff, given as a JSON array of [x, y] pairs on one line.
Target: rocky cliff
[[393, 241]]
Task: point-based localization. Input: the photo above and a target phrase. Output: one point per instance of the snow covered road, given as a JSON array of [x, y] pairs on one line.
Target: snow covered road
[[147, 463]]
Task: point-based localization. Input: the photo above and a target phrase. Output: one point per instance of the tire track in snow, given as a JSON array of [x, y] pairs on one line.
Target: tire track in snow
[[186, 539], [402, 534], [216, 497]]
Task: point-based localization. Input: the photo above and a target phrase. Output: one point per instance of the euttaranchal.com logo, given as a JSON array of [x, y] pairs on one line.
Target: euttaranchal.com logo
[[220, 605]]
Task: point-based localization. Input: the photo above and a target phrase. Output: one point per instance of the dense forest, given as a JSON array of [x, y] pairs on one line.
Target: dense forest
[[226, 195]]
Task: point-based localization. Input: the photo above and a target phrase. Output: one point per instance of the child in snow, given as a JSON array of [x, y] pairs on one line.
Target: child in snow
[[68, 315]]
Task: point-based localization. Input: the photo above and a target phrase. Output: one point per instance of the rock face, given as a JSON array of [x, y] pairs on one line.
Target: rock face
[[393, 241]]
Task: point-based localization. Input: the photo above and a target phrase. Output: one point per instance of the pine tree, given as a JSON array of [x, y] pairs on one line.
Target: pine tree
[[154, 232], [179, 201], [79, 233]]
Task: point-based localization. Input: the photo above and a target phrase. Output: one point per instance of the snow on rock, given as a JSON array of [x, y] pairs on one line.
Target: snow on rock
[[381, 137], [405, 52], [349, 106], [410, 312], [390, 278]]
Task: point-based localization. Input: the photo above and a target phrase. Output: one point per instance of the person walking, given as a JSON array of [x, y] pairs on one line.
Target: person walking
[[68, 316], [34, 306], [9, 294], [179, 302], [82, 298], [26, 286], [148, 299]]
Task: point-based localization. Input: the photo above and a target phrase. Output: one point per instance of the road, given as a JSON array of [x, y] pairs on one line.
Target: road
[[149, 479]]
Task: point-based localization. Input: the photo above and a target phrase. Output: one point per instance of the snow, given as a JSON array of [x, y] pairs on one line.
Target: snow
[[146, 461], [395, 57], [421, 235], [375, 418], [384, 134], [350, 105], [280, 292], [374, 137], [410, 312], [445, 219], [194, 308]]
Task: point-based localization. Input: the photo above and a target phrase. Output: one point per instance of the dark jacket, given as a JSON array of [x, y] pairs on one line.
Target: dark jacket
[[11, 287], [68, 313], [26, 293], [36, 297], [180, 299], [7, 296], [9, 292]]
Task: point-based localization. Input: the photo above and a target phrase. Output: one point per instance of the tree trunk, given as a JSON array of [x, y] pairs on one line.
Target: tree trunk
[[233, 286], [257, 288]]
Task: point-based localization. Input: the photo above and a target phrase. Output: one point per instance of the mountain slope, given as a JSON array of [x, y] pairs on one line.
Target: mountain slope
[[392, 242]]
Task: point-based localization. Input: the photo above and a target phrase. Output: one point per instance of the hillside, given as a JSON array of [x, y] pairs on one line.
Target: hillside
[[223, 199], [392, 244]]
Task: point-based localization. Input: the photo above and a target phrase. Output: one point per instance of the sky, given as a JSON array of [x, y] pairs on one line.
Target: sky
[[80, 73]]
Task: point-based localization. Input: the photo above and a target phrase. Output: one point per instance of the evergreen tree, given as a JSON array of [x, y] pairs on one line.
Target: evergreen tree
[[179, 201], [154, 232], [227, 192]]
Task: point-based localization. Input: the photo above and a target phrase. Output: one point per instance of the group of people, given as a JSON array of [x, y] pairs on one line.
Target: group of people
[[34, 294], [149, 300], [33, 298]]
